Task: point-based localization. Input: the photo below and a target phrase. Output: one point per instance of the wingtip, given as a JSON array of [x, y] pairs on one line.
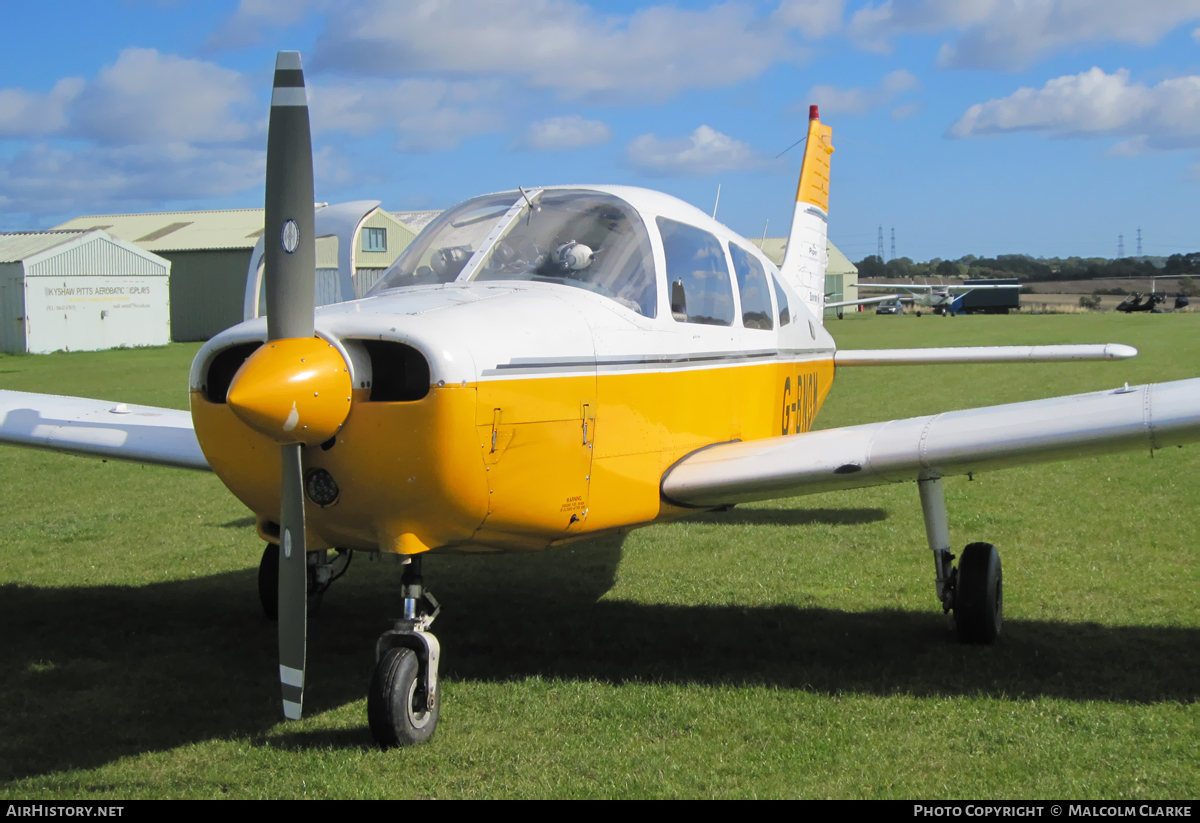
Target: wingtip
[[1119, 351]]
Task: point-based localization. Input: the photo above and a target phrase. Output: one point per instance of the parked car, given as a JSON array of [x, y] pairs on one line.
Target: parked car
[[890, 307]]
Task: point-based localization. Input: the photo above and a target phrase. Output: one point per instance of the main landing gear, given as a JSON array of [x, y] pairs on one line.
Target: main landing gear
[[404, 700], [975, 590], [322, 571]]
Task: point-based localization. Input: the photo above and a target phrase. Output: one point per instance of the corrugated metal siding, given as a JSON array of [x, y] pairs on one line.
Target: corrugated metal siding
[[207, 290], [98, 257], [327, 252], [415, 220], [398, 238], [204, 230], [19, 245], [364, 279], [12, 308], [326, 292]]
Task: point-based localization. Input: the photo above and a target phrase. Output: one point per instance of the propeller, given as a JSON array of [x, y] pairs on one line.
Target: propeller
[[296, 387]]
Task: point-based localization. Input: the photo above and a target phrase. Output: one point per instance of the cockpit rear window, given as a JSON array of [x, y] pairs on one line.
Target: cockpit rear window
[[440, 252], [701, 291], [586, 239]]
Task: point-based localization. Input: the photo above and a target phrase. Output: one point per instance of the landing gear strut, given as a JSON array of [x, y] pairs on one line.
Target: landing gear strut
[[974, 591], [404, 701]]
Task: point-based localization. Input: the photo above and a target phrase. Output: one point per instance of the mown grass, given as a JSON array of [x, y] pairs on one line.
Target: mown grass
[[790, 648]]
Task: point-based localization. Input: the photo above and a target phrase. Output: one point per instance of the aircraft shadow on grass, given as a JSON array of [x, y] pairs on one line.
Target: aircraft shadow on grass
[[92, 674]]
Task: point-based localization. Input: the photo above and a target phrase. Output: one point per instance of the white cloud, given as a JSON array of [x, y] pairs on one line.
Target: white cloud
[[244, 27], [150, 97], [567, 132], [427, 115], [144, 97], [26, 114], [49, 180], [1011, 34], [813, 18], [562, 45], [1096, 104], [154, 128], [706, 151], [832, 100]]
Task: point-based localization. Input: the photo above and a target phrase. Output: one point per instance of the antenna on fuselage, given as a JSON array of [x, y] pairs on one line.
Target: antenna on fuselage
[[718, 201]]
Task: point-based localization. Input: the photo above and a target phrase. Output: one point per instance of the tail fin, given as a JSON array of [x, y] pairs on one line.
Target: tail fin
[[807, 258]]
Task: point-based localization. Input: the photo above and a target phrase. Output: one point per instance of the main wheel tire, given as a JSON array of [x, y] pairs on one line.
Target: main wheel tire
[[396, 710], [979, 595], [268, 581]]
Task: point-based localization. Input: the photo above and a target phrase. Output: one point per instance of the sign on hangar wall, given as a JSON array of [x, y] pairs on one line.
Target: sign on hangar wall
[[92, 292]]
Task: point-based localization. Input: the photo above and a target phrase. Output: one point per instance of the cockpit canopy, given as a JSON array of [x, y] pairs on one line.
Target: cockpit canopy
[[574, 237]]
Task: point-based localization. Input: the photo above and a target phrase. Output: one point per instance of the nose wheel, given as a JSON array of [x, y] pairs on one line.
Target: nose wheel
[[404, 700], [399, 709]]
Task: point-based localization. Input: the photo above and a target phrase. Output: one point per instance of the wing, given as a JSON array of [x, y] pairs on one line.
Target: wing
[[981, 354], [961, 442], [100, 428], [862, 302]]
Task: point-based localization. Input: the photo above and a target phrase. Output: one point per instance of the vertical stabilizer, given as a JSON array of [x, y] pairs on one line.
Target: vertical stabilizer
[[807, 258]]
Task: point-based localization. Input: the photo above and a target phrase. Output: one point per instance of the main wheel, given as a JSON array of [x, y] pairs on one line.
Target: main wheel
[[397, 711], [979, 595], [268, 581]]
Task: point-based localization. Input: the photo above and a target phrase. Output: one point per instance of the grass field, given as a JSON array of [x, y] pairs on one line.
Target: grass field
[[785, 649]]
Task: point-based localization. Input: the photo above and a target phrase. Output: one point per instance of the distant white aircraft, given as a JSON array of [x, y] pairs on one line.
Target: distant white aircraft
[[939, 298]]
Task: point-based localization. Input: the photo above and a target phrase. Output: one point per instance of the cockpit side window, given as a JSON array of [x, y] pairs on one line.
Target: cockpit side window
[[441, 250], [586, 239], [701, 291], [780, 296], [753, 288]]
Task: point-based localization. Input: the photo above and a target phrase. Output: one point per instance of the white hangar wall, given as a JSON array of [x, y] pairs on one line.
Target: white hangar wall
[[81, 291]]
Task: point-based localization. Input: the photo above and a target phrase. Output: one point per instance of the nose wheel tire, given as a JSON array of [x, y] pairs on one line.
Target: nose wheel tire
[[397, 711], [979, 595]]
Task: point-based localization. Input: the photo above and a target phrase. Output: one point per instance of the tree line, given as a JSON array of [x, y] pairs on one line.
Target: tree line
[[1033, 269]]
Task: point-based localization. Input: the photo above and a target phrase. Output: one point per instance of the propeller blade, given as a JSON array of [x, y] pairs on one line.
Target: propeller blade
[[289, 247], [290, 264], [293, 584]]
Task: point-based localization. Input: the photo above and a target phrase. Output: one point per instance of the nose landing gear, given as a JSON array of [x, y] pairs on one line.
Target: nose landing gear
[[404, 701], [975, 590]]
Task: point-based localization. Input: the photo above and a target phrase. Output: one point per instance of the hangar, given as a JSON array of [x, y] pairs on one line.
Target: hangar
[[80, 291], [211, 254]]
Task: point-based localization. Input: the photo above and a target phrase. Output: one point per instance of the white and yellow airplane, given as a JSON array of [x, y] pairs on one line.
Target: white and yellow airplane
[[542, 366]]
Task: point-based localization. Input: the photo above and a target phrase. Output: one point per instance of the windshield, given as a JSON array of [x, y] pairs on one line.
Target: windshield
[[439, 252], [579, 238]]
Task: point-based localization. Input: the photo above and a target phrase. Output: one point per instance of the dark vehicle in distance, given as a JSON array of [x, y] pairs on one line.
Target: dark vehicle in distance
[[991, 301], [890, 307], [1134, 303]]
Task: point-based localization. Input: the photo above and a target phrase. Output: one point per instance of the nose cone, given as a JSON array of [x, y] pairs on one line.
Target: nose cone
[[295, 390]]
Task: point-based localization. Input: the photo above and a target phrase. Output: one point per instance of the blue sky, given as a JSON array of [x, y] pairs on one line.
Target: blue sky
[[970, 126]]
